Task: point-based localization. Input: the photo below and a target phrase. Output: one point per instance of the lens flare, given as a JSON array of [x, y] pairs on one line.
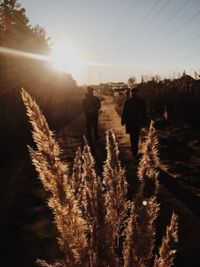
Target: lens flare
[[17, 53], [66, 57]]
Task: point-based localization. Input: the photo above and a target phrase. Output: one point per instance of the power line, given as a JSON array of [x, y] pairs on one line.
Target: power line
[[162, 8], [183, 44], [188, 56], [146, 15], [194, 61], [155, 17], [174, 15], [159, 45], [149, 24], [150, 11], [180, 28], [133, 8]]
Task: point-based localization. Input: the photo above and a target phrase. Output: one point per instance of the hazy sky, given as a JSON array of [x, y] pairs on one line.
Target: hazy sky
[[124, 37]]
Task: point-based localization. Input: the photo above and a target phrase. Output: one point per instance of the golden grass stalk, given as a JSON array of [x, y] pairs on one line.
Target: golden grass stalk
[[100, 246], [116, 186], [53, 174], [77, 182], [140, 233], [148, 166], [141, 224], [167, 250], [128, 252]]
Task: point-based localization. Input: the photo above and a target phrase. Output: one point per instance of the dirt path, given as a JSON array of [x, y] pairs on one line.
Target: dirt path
[[185, 193]]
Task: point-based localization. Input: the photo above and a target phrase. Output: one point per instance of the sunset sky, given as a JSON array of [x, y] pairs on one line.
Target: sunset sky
[[122, 38]]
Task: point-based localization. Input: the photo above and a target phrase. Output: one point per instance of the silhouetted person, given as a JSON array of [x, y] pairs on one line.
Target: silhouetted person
[[128, 93], [134, 117], [91, 106]]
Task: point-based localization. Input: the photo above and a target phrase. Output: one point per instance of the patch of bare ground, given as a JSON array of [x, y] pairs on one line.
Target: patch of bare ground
[[180, 155]]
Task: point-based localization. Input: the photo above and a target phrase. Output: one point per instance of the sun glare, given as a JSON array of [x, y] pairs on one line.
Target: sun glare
[[65, 57]]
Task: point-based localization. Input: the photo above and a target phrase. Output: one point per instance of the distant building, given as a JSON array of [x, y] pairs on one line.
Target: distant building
[[120, 88], [111, 88]]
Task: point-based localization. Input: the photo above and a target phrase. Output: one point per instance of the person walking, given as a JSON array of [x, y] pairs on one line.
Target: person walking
[[91, 106], [134, 118]]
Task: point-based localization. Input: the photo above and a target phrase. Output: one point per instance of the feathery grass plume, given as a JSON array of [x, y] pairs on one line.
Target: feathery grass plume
[[148, 166], [116, 186], [77, 182], [140, 233], [167, 250], [128, 245], [145, 208], [53, 174], [89, 220], [100, 245]]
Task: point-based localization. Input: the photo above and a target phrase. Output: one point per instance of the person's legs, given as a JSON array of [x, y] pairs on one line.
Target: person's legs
[[89, 128], [134, 138], [95, 127]]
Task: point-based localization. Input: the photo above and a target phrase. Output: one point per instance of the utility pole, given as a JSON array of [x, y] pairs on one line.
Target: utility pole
[[89, 75], [100, 77]]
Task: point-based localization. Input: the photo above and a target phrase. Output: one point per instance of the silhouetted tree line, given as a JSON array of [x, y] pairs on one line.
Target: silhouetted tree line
[[180, 98], [56, 93]]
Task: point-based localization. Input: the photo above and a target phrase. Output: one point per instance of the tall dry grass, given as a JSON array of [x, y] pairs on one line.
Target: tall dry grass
[[97, 225], [114, 180], [167, 250], [140, 232], [53, 174]]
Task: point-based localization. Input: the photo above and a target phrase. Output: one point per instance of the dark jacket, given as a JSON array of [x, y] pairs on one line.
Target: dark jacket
[[134, 114], [91, 105]]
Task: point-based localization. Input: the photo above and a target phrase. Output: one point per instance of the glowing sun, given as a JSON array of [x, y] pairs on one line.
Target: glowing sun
[[65, 57]]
